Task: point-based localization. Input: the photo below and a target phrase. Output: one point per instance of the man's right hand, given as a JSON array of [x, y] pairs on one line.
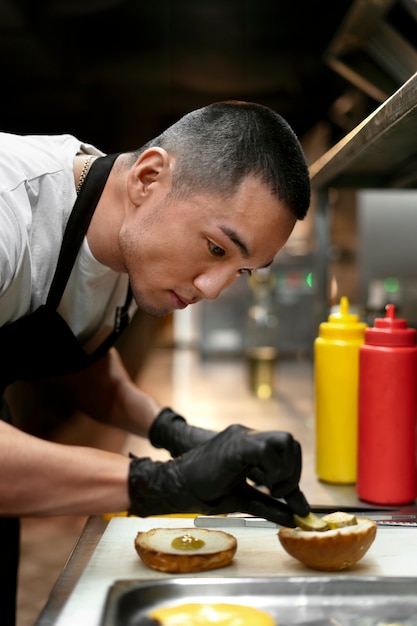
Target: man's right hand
[[211, 478]]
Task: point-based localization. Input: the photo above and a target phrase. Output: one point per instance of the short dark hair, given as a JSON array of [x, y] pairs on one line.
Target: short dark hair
[[219, 145]]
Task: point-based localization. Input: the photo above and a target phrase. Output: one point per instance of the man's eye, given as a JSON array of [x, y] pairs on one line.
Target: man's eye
[[216, 250]]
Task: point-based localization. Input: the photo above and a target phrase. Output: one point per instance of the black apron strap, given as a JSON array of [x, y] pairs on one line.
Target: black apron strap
[[44, 331], [120, 323], [10, 533], [75, 231], [77, 225]]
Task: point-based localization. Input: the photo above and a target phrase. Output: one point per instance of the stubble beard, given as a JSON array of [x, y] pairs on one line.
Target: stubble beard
[[146, 307]]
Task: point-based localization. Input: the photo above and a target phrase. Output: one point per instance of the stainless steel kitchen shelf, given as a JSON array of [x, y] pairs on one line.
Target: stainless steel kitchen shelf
[[381, 152]]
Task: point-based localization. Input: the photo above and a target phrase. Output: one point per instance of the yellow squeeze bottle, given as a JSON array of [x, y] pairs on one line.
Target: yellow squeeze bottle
[[336, 379]]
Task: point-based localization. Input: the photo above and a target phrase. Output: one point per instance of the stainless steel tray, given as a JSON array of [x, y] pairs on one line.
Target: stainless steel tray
[[321, 601]]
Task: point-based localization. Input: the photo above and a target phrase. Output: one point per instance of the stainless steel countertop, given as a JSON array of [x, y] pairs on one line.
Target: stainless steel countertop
[[259, 554], [73, 569]]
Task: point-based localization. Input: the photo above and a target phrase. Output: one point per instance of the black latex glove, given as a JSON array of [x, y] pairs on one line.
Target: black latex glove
[[211, 478], [171, 431]]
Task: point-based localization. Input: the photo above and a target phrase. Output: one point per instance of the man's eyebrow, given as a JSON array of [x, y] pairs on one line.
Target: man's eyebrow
[[234, 237]]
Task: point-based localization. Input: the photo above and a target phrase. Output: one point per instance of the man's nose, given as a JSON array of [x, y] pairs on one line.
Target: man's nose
[[211, 283]]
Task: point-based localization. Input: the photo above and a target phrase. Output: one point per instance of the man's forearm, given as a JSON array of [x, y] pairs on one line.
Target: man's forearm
[[39, 478], [106, 393]]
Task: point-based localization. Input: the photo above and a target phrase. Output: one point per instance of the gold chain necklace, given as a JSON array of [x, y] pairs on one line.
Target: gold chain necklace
[[84, 172]]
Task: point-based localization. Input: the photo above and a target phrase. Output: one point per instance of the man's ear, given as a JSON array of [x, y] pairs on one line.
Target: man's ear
[[151, 172]]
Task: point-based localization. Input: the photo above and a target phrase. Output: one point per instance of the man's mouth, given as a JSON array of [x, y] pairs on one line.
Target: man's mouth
[[180, 303]]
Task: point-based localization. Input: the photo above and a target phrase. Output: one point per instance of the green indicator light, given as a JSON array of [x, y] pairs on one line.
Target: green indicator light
[[309, 279], [391, 285]]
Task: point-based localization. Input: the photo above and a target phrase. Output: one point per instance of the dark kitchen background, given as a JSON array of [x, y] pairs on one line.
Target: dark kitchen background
[[116, 72]]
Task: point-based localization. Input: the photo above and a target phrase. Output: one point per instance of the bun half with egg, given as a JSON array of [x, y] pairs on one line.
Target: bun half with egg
[[185, 550]]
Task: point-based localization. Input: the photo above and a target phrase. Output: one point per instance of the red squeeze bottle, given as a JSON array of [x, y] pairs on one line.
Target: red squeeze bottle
[[387, 472]]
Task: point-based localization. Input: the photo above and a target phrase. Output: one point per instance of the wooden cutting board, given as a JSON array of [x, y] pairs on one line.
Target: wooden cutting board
[[259, 553]]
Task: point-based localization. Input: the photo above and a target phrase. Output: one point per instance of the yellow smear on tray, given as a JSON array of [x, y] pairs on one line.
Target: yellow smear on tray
[[211, 614]]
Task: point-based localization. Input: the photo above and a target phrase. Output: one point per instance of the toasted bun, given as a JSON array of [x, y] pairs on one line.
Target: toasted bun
[[155, 549], [330, 550]]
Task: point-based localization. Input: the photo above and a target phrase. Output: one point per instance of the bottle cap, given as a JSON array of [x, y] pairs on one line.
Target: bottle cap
[[343, 325], [390, 330]]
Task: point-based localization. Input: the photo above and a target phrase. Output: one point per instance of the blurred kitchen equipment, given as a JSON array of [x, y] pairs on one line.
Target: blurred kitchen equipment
[[387, 472], [387, 220], [222, 323], [261, 335]]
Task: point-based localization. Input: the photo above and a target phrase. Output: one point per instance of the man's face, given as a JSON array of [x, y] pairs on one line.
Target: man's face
[[180, 251]]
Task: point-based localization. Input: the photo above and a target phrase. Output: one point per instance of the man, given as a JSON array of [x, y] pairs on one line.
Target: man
[[213, 197]]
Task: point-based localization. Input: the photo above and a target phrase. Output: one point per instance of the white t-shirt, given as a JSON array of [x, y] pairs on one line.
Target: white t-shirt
[[37, 194]]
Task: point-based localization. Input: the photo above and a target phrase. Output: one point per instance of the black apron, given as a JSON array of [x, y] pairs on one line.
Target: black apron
[[41, 344]]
